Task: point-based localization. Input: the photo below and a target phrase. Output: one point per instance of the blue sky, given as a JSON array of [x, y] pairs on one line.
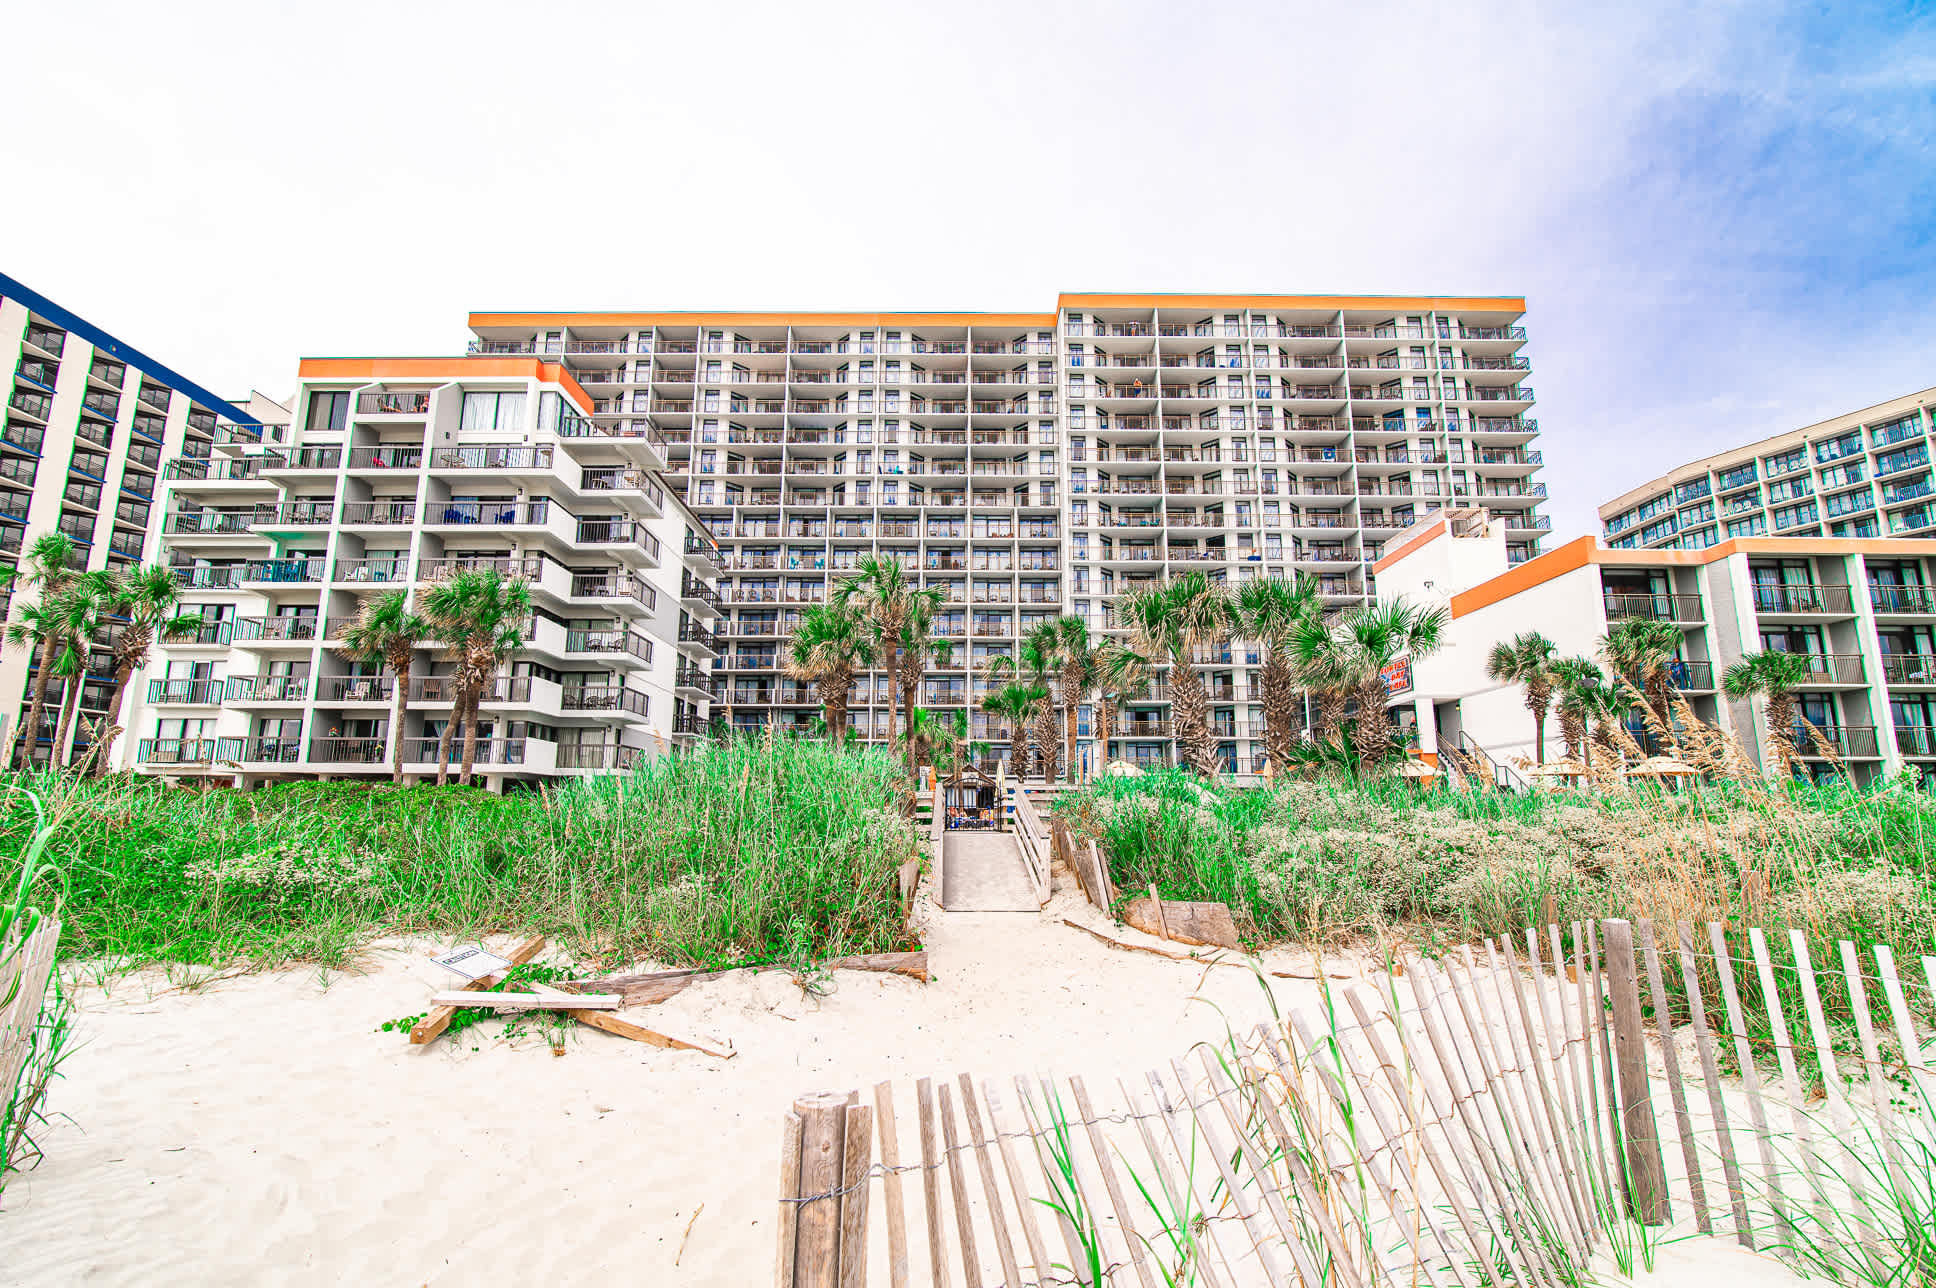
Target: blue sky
[[1721, 215]]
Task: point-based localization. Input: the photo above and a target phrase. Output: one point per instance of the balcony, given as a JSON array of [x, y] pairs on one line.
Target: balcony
[[441, 689], [1848, 742], [191, 693], [356, 688], [1660, 608], [295, 514], [595, 698], [204, 634], [1917, 669], [694, 633], [613, 586], [1803, 600], [261, 750], [295, 571], [491, 458], [529, 567], [1141, 729], [608, 642], [1834, 668], [378, 570], [487, 513], [227, 577], [351, 751], [1902, 600], [689, 725], [596, 757], [175, 751], [275, 630], [386, 458], [626, 532], [394, 402], [289, 689], [1918, 741]]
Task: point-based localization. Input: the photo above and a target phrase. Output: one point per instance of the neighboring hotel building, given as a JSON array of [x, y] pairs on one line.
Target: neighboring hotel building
[[1862, 610], [1034, 464], [395, 472], [1865, 474], [90, 423]]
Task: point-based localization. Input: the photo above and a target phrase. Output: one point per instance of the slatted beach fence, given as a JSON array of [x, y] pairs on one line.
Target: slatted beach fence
[[25, 966], [1499, 1116]]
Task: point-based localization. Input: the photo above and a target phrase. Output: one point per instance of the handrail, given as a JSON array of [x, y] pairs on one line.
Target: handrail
[[1030, 833]]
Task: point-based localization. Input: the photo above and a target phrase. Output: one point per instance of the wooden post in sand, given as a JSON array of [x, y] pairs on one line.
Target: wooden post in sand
[[817, 1194], [1639, 1136]]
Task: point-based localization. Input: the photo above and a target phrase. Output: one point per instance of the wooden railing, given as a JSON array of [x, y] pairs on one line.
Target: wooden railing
[[1032, 839]]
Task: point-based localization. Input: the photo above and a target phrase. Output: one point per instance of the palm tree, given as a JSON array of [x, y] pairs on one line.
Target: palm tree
[[1773, 676], [75, 614], [936, 737], [1121, 674], [1270, 609], [1641, 650], [1575, 679], [146, 598], [1528, 659], [882, 594], [920, 647], [480, 616], [50, 568], [1320, 661], [1603, 708], [1173, 621], [1017, 704], [1379, 635], [387, 633], [1035, 662], [828, 646], [1079, 663]]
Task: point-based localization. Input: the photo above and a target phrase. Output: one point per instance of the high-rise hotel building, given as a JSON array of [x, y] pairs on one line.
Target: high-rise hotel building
[[90, 423], [1863, 474], [397, 472], [1032, 464]]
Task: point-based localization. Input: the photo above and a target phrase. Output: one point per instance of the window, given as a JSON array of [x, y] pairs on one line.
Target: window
[[493, 411], [329, 409]]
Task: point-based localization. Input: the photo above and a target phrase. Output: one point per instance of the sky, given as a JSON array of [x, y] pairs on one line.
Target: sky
[[1720, 215]]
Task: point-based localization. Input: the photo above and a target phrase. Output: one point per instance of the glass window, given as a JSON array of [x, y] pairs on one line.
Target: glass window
[[329, 409], [493, 411]]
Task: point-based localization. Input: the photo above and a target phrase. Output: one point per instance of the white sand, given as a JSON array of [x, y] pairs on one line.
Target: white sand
[[260, 1131]]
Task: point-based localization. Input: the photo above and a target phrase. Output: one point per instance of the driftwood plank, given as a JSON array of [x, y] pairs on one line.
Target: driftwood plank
[[438, 1018], [606, 1022], [525, 1001], [1208, 925], [657, 986]]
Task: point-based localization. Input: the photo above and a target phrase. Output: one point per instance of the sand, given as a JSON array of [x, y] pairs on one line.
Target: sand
[[259, 1129]]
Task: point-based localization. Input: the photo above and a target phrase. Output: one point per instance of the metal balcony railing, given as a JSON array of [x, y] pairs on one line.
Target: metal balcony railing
[[1802, 599], [175, 751], [1661, 607], [202, 693]]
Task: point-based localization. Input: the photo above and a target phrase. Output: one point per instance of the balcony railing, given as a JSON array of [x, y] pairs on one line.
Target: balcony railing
[[1916, 740], [226, 577], [491, 458], [198, 693], [596, 756], [1902, 599], [1662, 607], [1802, 599], [262, 749], [442, 688], [604, 697], [1857, 742], [175, 751], [1909, 668], [356, 688], [525, 566], [284, 571], [608, 641], [490, 751], [267, 688], [488, 513], [386, 458], [378, 570], [295, 514], [349, 751], [393, 402], [1834, 668], [287, 629]]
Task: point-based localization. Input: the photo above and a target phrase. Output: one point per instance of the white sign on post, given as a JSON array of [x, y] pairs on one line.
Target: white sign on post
[[473, 962]]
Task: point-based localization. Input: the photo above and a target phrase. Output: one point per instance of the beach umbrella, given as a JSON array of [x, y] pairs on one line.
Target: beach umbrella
[[1661, 767], [1415, 769]]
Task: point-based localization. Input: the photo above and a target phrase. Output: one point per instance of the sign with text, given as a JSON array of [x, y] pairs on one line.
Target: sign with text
[[1397, 676], [472, 962]]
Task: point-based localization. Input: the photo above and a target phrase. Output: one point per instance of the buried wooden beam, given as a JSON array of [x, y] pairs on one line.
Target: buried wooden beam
[[607, 1023], [656, 986], [438, 1018], [525, 1001]]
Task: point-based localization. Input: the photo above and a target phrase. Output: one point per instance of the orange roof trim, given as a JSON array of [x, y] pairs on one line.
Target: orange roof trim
[[1437, 528], [478, 320], [1498, 303], [483, 368]]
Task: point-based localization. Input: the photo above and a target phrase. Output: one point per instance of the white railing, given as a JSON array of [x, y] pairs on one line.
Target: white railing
[[1033, 841]]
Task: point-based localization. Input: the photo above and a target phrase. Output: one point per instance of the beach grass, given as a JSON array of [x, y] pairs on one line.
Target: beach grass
[[752, 851]]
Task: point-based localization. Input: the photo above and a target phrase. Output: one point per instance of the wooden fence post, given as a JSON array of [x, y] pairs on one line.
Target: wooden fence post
[[1640, 1138], [817, 1235]]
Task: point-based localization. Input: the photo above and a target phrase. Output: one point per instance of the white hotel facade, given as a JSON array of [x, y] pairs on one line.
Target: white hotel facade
[[1028, 465]]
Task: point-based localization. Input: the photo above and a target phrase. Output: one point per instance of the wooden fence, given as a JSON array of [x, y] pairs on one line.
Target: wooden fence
[[1032, 839], [1485, 1119], [24, 971]]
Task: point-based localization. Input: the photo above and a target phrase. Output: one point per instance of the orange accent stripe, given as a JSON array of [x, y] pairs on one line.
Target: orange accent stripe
[[1491, 304], [1534, 572], [1437, 528], [490, 368], [480, 320]]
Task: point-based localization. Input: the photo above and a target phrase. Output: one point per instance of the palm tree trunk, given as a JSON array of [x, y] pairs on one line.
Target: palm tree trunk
[[1190, 709], [30, 732], [471, 714], [450, 727], [833, 705], [70, 703], [1536, 703], [1069, 726], [1781, 732], [1046, 743], [1371, 735], [123, 676], [893, 689], [1277, 713], [396, 722], [1104, 723]]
